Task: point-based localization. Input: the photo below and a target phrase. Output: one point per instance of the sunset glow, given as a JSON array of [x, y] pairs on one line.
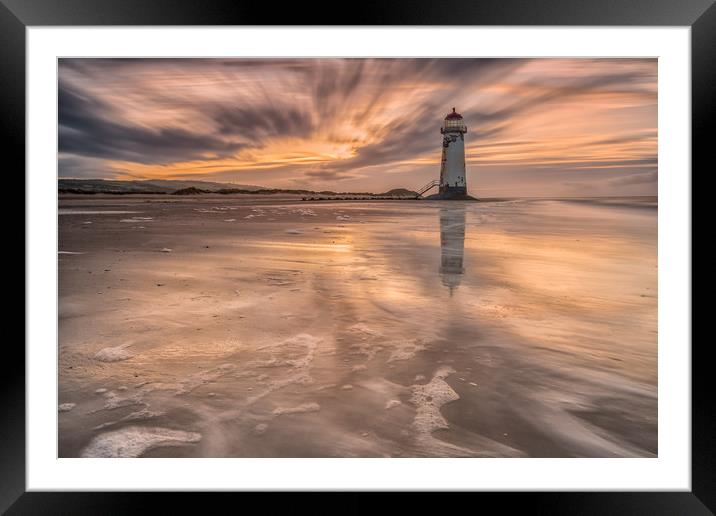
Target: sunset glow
[[535, 126]]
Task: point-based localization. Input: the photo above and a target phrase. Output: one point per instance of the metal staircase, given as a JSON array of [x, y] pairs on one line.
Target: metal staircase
[[422, 191]]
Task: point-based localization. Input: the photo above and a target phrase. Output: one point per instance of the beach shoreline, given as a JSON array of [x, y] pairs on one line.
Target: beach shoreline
[[260, 326]]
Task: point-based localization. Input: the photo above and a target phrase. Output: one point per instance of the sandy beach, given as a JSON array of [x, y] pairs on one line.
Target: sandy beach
[[220, 326]]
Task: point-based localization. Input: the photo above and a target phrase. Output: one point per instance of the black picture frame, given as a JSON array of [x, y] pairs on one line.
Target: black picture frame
[[17, 15]]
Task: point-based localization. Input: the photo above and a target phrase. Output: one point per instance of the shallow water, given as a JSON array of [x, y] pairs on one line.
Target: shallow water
[[219, 327]]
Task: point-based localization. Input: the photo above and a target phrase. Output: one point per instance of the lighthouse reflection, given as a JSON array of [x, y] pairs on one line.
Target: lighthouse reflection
[[452, 245]]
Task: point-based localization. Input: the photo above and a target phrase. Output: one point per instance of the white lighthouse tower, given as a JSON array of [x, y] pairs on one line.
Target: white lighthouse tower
[[452, 167]]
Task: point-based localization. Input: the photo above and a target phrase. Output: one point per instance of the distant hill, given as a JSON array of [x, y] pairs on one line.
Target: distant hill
[[399, 192], [153, 186], [190, 191], [178, 187]]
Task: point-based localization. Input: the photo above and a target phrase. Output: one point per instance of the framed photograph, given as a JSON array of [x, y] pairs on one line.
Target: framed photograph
[[411, 250]]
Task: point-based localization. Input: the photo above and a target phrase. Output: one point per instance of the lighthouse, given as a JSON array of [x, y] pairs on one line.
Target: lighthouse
[[453, 184]]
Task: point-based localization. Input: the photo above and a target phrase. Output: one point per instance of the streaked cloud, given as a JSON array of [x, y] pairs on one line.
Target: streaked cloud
[[540, 126]]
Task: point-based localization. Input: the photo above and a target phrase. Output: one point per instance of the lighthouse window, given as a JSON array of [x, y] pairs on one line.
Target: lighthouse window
[[453, 124]]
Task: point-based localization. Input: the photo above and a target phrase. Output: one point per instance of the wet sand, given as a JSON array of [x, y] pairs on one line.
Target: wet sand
[[220, 326]]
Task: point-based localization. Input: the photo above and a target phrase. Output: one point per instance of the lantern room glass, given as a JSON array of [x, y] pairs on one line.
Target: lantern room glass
[[454, 124]]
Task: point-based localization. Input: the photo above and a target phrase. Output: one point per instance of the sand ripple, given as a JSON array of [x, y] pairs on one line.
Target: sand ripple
[[114, 354]]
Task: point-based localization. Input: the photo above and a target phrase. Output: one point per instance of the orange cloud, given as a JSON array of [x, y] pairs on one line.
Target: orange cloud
[[372, 123]]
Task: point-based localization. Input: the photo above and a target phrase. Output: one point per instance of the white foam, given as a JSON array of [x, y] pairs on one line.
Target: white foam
[[144, 413], [294, 232], [346, 387], [113, 401], [392, 404], [367, 345], [134, 441], [297, 351], [362, 328], [114, 354], [298, 409], [405, 350], [67, 211], [229, 220], [201, 378], [65, 407], [428, 399], [166, 250], [260, 429], [137, 219]]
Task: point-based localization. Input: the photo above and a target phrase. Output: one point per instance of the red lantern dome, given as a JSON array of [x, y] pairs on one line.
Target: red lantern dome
[[454, 116]]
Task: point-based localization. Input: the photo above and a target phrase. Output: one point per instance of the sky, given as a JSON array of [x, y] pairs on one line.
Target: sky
[[536, 127]]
